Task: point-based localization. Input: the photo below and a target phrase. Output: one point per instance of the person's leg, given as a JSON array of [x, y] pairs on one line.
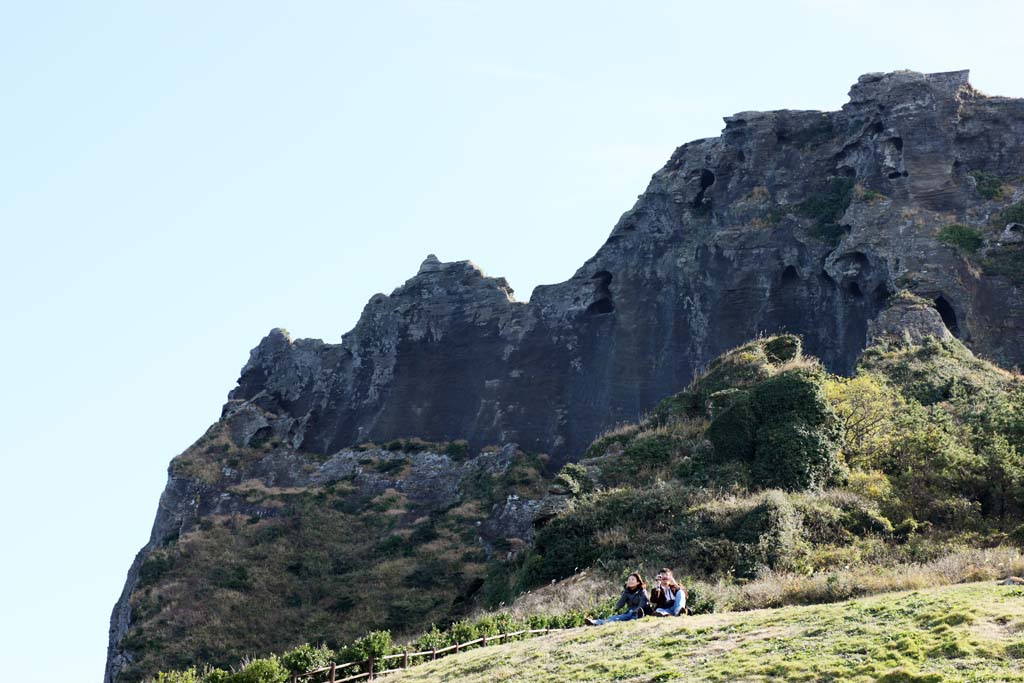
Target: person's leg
[[625, 616], [680, 602]]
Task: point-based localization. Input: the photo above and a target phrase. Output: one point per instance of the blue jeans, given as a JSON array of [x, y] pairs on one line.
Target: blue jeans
[[678, 603], [625, 616]]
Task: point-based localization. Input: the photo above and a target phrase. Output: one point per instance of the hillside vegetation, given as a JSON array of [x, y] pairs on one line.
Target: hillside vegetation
[[767, 463], [767, 482]]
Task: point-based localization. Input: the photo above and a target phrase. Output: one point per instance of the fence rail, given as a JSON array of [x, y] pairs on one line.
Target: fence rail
[[332, 670]]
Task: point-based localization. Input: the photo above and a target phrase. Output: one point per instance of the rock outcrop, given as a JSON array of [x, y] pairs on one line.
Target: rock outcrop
[[797, 221], [791, 221]]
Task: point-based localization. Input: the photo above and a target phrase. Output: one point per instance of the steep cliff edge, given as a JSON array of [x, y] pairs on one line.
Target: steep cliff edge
[[798, 221]]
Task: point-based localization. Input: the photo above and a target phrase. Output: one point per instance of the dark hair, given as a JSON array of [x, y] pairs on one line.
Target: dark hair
[[639, 580]]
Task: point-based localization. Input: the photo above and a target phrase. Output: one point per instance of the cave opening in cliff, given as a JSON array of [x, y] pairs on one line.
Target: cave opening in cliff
[[700, 203], [603, 293], [881, 295], [790, 276], [854, 291], [948, 315]]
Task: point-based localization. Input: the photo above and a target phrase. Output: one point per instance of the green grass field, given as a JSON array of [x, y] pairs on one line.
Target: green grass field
[[968, 632]]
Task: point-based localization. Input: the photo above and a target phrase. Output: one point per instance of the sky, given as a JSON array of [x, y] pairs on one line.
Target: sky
[[177, 178]]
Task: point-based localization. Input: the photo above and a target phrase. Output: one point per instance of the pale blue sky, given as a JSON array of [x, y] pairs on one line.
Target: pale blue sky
[[178, 178]]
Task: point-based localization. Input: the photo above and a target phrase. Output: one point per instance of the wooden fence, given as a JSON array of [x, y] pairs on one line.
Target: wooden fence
[[405, 656]]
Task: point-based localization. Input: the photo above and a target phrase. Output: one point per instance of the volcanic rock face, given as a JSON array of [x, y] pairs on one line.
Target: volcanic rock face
[[798, 221], [791, 221]]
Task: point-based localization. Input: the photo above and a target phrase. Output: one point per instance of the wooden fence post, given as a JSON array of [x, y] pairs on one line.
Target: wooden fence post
[[405, 659], [295, 678], [484, 643], [333, 667], [457, 648], [433, 654], [370, 663]]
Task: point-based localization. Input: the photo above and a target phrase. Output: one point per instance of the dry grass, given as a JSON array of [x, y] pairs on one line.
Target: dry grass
[[583, 591], [776, 589]]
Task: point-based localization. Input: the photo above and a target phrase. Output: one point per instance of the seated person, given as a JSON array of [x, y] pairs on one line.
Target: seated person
[[633, 598], [668, 598]]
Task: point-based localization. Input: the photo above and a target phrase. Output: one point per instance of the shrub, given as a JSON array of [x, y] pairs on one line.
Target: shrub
[[186, 676], [1013, 213], [827, 207], [575, 479], [1006, 260], [266, 670], [646, 455], [233, 578], [434, 639], [732, 432], [795, 457], [457, 450], [1016, 537], [783, 348], [153, 568], [964, 238], [374, 644], [865, 408], [989, 185], [216, 676], [620, 435], [307, 657], [462, 631]]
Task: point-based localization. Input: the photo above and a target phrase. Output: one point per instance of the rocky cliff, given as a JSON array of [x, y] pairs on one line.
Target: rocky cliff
[[797, 221]]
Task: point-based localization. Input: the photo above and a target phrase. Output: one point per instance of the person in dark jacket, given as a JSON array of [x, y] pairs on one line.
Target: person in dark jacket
[[633, 598], [668, 598]]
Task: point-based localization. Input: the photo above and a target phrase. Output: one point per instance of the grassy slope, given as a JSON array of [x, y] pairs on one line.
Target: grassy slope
[[971, 632]]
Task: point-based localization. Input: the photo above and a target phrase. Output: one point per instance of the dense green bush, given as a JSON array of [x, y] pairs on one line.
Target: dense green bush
[[374, 644], [733, 431], [964, 238], [307, 657], [785, 429], [796, 457]]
